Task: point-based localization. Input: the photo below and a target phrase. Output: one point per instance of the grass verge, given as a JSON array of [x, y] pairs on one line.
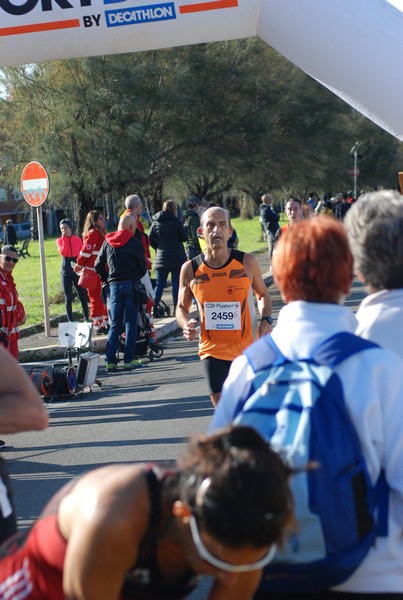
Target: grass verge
[[28, 272]]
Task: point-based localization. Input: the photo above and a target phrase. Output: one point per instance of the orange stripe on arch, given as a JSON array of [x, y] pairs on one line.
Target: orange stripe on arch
[[211, 5], [40, 27]]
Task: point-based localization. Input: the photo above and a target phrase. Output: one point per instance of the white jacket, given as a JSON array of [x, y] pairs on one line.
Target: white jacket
[[380, 319], [373, 388]]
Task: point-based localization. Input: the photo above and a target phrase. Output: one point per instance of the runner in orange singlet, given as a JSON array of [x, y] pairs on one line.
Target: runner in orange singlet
[[221, 280]]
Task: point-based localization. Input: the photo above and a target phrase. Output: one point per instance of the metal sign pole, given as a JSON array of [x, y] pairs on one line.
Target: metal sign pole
[[43, 271]]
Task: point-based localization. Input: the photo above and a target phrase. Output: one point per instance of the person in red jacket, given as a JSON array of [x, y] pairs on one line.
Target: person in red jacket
[[94, 232], [69, 246], [12, 312]]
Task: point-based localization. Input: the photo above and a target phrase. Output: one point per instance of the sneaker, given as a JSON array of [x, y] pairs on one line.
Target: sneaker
[[102, 331], [2, 443], [132, 365], [111, 367]]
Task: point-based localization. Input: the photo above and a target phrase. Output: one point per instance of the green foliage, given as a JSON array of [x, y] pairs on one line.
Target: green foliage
[[218, 120]]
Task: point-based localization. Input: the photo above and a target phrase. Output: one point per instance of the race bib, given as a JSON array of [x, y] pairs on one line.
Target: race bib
[[222, 315]]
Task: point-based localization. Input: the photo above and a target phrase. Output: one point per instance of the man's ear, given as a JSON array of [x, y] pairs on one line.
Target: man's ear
[[200, 232]]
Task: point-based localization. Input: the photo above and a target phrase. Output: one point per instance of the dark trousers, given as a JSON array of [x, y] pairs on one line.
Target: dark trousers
[[161, 279], [123, 309], [67, 283]]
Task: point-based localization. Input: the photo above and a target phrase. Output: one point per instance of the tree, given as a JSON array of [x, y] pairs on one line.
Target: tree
[[209, 118]]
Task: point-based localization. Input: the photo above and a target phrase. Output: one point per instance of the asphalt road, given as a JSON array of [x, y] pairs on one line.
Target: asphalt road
[[145, 415]]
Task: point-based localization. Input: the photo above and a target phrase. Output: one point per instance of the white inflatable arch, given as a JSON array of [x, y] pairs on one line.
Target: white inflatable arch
[[353, 47]]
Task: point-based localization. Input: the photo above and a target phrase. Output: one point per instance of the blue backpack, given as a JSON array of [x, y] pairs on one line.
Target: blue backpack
[[299, 407]]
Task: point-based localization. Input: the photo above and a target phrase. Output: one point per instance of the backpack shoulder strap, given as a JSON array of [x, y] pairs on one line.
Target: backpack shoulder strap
[[264, 353], [339, 347]]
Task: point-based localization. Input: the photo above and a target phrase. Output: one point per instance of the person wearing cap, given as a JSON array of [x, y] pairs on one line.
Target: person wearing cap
[[192, 224], [69, 246], [12, 312]]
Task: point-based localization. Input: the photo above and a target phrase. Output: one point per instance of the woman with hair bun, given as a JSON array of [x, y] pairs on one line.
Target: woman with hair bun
[[136, 531]]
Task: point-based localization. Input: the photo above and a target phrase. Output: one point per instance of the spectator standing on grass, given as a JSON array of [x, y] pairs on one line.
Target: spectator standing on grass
[[21, 409], [121, 263], [221, 280], [10, 235], [94, 232], [269, 220], [313, 269], [69, 247], [167, 236], [136, 531], [375, 229], [12, 312]]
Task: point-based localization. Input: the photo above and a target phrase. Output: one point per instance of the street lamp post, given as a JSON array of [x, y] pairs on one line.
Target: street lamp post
[[354, 152]]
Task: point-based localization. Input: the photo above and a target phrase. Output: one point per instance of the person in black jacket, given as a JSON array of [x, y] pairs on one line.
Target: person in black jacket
[[167, 235], [192, 224], [121, 263], [269, 220], [10, 235]]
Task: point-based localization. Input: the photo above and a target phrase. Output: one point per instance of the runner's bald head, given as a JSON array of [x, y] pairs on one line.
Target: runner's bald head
[[213, 211], [128, 223]]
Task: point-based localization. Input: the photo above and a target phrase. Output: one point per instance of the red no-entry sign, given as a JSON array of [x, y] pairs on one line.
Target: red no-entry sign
[[34, 183]]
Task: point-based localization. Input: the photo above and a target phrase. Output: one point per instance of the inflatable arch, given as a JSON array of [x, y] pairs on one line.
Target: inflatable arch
[[353, 47]]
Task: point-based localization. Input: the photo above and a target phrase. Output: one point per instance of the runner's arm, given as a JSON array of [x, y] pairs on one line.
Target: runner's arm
[[185, 298], [21, 407], [259, 287]]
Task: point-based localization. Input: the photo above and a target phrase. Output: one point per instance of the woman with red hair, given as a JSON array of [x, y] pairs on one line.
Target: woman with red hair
[[313, 268]]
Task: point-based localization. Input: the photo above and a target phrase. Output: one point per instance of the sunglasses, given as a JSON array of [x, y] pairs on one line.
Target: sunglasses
[[220, 564], [10, 259]]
